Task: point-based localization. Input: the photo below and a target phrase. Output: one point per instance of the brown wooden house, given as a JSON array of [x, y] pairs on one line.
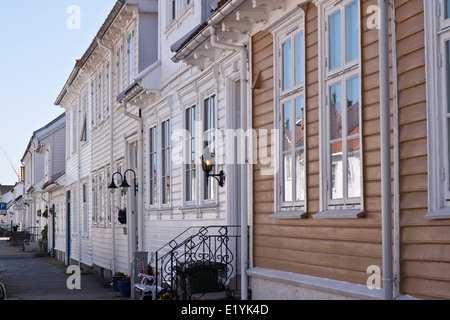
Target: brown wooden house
[[322, 244]]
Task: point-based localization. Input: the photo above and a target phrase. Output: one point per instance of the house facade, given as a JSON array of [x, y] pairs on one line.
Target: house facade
[[285, 96], [43, 179]]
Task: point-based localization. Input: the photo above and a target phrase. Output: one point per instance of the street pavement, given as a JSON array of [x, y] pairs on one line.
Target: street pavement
[[30, 278]]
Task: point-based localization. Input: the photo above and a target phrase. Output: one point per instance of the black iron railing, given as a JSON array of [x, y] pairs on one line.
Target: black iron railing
[[199, 261]]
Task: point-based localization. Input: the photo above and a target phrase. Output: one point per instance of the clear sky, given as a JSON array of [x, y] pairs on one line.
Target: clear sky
[[38, 50]]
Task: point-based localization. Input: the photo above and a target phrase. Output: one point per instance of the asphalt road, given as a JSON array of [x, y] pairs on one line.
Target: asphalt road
[[31, 278]]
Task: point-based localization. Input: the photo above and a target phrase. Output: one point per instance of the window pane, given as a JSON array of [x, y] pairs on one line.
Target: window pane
[[336, 171], [299, 122], [351, 27], [353, 106], [354, 168], [447, 59], [287, 65], [300, 175], [287, 126], [299, 59], [153, 166], [447, 9], [336, 111], [287, 178], [335, 40]]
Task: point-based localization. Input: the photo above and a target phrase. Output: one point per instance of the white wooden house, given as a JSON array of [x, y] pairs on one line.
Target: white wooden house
[[127, 102], [44, 170]]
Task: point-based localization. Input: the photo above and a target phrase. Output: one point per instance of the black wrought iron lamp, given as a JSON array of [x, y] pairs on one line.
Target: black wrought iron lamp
[[124, 183], [208, 163]]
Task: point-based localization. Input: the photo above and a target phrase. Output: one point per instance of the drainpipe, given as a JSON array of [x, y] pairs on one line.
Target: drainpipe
[[385, 137], [140, 208], [111, 152], [244, 200], [79, 200], [396, 158]]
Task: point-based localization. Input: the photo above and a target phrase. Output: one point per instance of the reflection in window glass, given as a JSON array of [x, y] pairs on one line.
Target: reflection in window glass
[[165, 139], [354, 168], [287, 65], [300, 175], [335, 40], [287, 126], [299, 57], [336, 111], [353, 106], [153, 166], [351, 26], [336, 171], [190, 161], [447, 9]]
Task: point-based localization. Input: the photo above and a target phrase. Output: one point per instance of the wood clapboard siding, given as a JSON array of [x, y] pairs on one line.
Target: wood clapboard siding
[[425, 245], [333, 249]]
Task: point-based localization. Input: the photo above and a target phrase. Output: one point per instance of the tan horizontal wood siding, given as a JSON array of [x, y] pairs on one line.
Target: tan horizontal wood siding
[[425, 245], [334, 249]]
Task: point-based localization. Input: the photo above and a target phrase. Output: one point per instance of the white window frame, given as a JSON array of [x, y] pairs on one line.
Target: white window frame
[[288, 29], [347, 206], [120, 69], [94, 102], [188, 145], [437, 33], [153, 153], [131, 56], [101, 98], [165, 202], [207, 97]]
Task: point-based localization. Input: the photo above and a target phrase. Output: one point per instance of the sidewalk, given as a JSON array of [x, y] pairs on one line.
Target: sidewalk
[[30, 278]]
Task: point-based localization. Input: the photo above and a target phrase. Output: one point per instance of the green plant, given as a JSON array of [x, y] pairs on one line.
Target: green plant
[[44, 238]]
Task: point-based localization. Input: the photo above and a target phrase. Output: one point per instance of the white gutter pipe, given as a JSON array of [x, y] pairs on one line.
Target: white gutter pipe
[[78, 198], [111, 157], [385, 136], [396, 158], [244, 200]]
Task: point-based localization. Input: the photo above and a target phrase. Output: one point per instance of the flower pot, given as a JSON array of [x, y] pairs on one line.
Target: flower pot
[[115, 280], [124, 287]]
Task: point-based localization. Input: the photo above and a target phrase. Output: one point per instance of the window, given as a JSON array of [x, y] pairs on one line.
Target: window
[[290, 115], [153, 166], [85, 209], [131, 53], [191, 156], [74, 127], [173, 9], [94, 103], [437, 46], [120, 69], [100, 85], [341, 109], [209, 128], [344, 133], [84, 115], [165, 168], [95, 210], [293, 152], [108, 76]]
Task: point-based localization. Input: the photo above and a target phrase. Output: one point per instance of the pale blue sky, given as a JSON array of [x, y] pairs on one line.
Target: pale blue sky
[[37, 54]]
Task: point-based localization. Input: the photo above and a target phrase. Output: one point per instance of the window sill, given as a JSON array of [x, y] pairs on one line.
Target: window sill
[[440, 214], [340, 214], [199, 207], [288, 215]]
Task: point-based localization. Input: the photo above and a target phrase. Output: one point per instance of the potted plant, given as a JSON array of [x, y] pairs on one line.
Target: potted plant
[[115, 278], [124, 286], [122, 216]]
